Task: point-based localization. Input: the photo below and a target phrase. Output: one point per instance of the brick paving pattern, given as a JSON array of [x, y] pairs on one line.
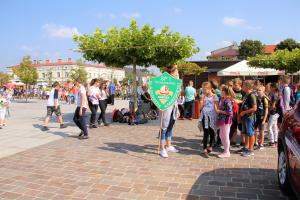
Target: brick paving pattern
[[121, 162]]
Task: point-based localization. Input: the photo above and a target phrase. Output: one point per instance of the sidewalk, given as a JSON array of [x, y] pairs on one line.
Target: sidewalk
[[23, 130]]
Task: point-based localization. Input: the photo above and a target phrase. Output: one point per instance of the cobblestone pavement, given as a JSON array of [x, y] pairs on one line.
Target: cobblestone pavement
[[121, 162]]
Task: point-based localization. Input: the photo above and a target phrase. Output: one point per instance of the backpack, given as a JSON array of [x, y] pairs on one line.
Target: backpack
[[292, 96], [261, 107]]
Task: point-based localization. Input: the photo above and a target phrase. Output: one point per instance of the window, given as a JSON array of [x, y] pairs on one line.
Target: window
[[43, 75], [58, 74], [66, 74]]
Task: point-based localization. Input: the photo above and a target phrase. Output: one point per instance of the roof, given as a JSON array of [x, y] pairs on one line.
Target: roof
[[59, 63], [231, 50], [216, 65], [243, 69], [269, 49]]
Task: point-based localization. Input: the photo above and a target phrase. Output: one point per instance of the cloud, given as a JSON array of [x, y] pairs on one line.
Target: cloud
[[26, 48], [131, 15], [177, 10], [233, 21], [239, 22], [224, 43], [59, 31]]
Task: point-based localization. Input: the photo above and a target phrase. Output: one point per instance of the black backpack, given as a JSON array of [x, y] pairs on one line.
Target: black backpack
[[261, 107]]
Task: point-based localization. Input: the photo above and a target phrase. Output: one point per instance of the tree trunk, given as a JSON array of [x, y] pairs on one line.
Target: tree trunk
[[135, 105], [26, 92]]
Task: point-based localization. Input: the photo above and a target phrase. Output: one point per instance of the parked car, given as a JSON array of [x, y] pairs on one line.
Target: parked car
[[289, 153]]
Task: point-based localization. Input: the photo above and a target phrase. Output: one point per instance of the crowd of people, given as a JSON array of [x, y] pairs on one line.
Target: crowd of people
[[248, 107]]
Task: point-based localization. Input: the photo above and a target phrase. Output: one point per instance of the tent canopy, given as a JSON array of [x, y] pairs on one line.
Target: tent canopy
[[243, 69]]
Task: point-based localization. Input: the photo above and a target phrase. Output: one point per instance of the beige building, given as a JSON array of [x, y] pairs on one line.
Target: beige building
[[60, 71]]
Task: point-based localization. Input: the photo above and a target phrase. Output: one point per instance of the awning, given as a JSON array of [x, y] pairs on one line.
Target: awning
[[243, 69]]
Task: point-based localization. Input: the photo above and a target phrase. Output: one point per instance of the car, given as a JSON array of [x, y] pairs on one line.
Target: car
[[288, 170]]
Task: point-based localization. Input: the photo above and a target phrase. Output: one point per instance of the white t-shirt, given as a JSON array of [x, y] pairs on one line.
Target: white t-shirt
[[95, 91], [52, 96], [81, 93], [103, 95]]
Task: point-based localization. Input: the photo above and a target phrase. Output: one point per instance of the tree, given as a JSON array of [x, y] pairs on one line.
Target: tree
[[78, 72], [26, 72], [280, 60], [4, 78], [135, 46], [188, 68], [250, 48], [49, 77], [129, 77], [115, 81], [288, 43]]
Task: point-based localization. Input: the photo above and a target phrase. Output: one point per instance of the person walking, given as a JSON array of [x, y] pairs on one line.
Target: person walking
[[80, 117], [53, 107], [93, 100], [169, 117], [190, 94], [3, 106], [103, 103]]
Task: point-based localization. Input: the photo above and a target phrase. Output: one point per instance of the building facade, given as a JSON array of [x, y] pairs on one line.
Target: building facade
[[60, 71]]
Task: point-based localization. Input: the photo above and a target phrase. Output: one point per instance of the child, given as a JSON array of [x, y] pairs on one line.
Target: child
[[3, 105], [181, 101], [275, 114], [247, 114], [261, 114], [225, 115], [207, 120], [297, 95]]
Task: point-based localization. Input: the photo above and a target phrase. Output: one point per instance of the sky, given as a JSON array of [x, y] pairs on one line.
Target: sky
[[44, 29]]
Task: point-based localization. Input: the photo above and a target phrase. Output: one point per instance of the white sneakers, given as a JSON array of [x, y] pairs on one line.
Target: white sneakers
[[171, 149], [164, 152]]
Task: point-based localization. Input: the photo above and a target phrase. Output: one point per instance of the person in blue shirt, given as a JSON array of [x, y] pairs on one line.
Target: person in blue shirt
[[297, 96], [190, 94], [112, 91]]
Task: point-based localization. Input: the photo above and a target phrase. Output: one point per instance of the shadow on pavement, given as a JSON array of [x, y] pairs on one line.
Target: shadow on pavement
[[127, 148], [237, 183]]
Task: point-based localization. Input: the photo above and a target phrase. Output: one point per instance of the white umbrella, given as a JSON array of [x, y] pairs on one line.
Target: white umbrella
[[243, 69]]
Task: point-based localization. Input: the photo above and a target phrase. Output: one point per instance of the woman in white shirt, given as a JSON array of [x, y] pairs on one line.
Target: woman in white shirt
[[103, 103], [93, 99]]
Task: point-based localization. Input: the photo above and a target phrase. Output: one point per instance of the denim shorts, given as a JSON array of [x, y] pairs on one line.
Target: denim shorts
[[248, 126]]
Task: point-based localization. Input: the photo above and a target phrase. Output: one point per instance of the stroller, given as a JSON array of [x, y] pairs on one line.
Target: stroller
[[147, 107]]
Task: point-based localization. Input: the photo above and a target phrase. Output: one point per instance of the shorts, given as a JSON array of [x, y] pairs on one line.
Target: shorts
[[51, 110], [248, 126], [259, 125], [2, 113]]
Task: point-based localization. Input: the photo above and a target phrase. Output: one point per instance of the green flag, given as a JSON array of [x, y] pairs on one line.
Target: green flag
[[164, 90]]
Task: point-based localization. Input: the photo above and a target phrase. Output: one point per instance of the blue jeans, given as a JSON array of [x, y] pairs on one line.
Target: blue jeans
[[81, 121], [167, 133]]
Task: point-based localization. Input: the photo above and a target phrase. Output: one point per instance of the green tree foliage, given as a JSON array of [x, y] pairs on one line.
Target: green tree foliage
[[49, 77], [26, 72], [136, 46], [129, 77], [188, 68], [289, 44], [78, 72], [250, 48], [280, 60], [4, 78]]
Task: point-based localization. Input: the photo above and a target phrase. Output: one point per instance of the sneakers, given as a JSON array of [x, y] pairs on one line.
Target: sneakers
[[81, 134], [1, 127], [63, 126], [241, 150], [248, 153], [261, 147], [45, 128], [163, 153], [172, 149], [93, 126], [83, 137]]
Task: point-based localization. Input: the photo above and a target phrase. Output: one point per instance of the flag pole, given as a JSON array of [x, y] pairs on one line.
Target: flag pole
[[160, 132]]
